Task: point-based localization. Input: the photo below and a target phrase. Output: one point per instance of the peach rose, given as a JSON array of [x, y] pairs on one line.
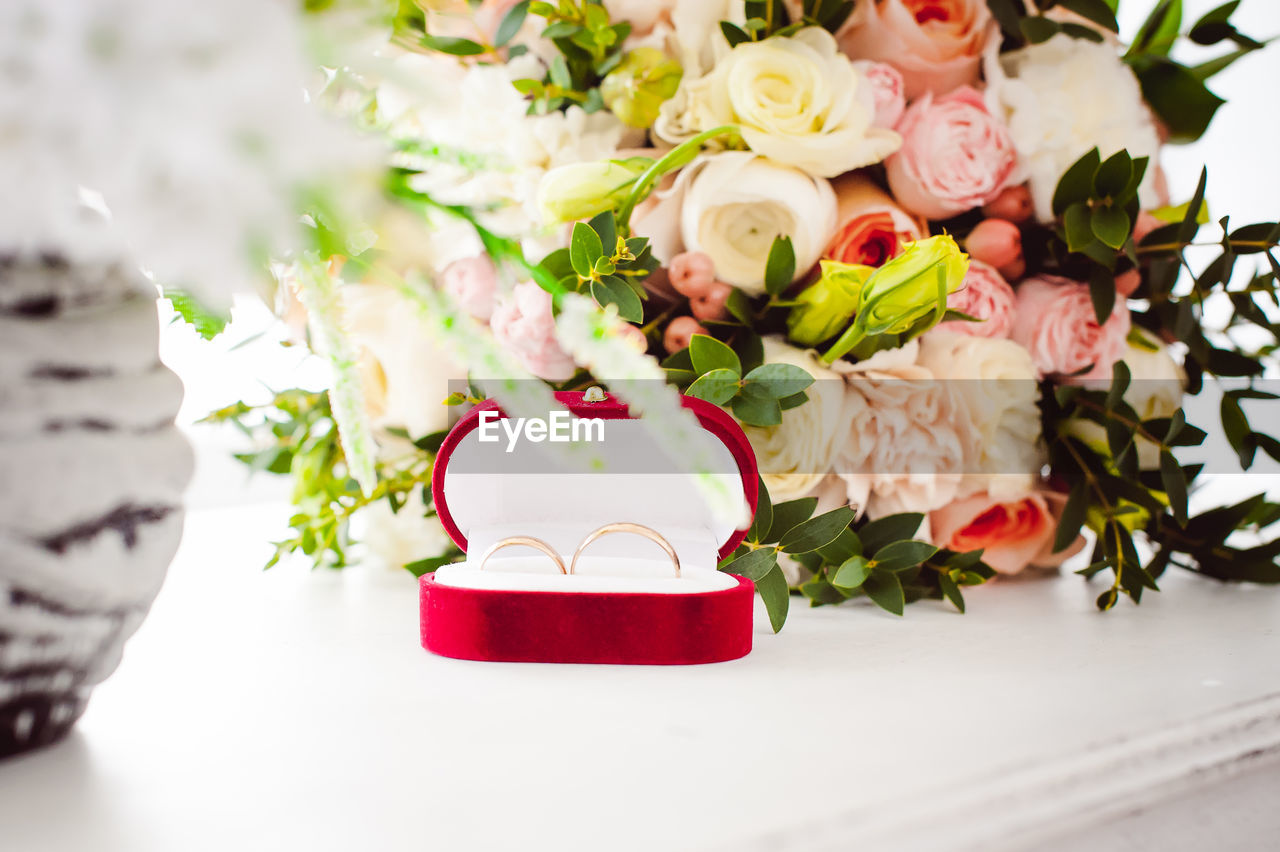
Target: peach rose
[[522, 324], [955, 155], [1055, 321], [1012, 534], [936, 44], [872, 228], [986, 295]]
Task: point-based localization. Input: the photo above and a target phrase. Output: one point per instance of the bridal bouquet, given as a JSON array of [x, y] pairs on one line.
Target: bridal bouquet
[[923, 250]]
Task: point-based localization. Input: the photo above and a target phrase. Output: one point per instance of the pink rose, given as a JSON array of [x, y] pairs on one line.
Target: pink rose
[[1012, 534], [473, 282], [1054, 320], [936, 44], [889, 90], [955, 155], [522, 324], [985, 295]]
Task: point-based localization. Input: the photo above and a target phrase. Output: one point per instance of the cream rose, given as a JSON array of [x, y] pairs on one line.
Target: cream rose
[[996, 382], [795, 455], [796, 100], [404, 377], [909, 438], [1062, 98], [735, 204]]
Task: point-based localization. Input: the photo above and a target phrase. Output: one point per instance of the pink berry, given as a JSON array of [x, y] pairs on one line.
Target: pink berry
[[679, 332], [711, 305], [1013, 204], [692, 273], [1127, 282], [995, 242]]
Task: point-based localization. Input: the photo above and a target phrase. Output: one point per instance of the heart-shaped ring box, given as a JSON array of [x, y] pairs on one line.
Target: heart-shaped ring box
[[625, 602]]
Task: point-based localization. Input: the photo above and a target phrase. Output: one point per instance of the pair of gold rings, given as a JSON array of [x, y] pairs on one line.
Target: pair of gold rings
[[607, 529]]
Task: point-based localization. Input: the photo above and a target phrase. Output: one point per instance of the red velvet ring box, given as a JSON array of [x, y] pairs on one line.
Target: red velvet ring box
[[624, 603]]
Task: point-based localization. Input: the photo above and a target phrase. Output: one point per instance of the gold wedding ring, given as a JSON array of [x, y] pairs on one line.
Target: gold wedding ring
[[627, 527], [523, 541]]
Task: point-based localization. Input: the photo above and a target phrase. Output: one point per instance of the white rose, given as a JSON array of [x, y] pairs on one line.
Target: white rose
[[398, 538], [795, 455], [796, 100], [996, 381], [405, 379], [908, 438], [735, 205], [1062, 98]]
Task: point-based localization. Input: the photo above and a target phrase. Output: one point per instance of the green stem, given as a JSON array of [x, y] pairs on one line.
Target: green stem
[[673, 159]]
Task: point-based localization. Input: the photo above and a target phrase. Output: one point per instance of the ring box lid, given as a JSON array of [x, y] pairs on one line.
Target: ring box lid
[[482, 492]]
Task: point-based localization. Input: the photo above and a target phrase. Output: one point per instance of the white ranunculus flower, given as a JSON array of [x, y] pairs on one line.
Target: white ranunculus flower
[[404, 377], [1063, 97], [908, 438], [996, 381], [795, 455], [736, 203], [398, 538], [797, 100]]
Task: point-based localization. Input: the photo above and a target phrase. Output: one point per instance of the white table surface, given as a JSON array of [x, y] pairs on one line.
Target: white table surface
[[289, 710]]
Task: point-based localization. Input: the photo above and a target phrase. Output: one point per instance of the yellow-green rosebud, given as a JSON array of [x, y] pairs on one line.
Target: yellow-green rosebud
[[581, 190], [825, 308], [905, 290], [635, 89]]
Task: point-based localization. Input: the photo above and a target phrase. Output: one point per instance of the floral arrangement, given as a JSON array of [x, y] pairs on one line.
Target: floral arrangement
[[922, 249]]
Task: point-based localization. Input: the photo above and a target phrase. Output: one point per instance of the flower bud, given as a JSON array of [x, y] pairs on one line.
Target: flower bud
[[905, 290], [827, 306], [643, 80], [679, 332], [711, 305], [581, 190], [995, 242], [1013, 204]]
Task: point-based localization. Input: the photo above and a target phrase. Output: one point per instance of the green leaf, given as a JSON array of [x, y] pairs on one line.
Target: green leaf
[[606, 229], [1177, 96], [740, 307], [780, 268], [776, 596], [1111, 225], [1112, 177], [786, 403], [1038, 29], [429, 566], [890, 528], [452, 46], [1079, 226], [511, 23], [818, 531], [755, 406], [1102, 292], [1009, 14], [1094, 10], [764, 513], [1077, 182], [716, 387], [846, 544], [611, 290], [951, 591], [1160, 30], [780, 380], [1107, 599], [1073, 515], [707, 354], [754, 564], [903, 554], [885, 589], [852, 573], [787, 516], [584, 249], [734, 35], [206, 323], [1175, 486]]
